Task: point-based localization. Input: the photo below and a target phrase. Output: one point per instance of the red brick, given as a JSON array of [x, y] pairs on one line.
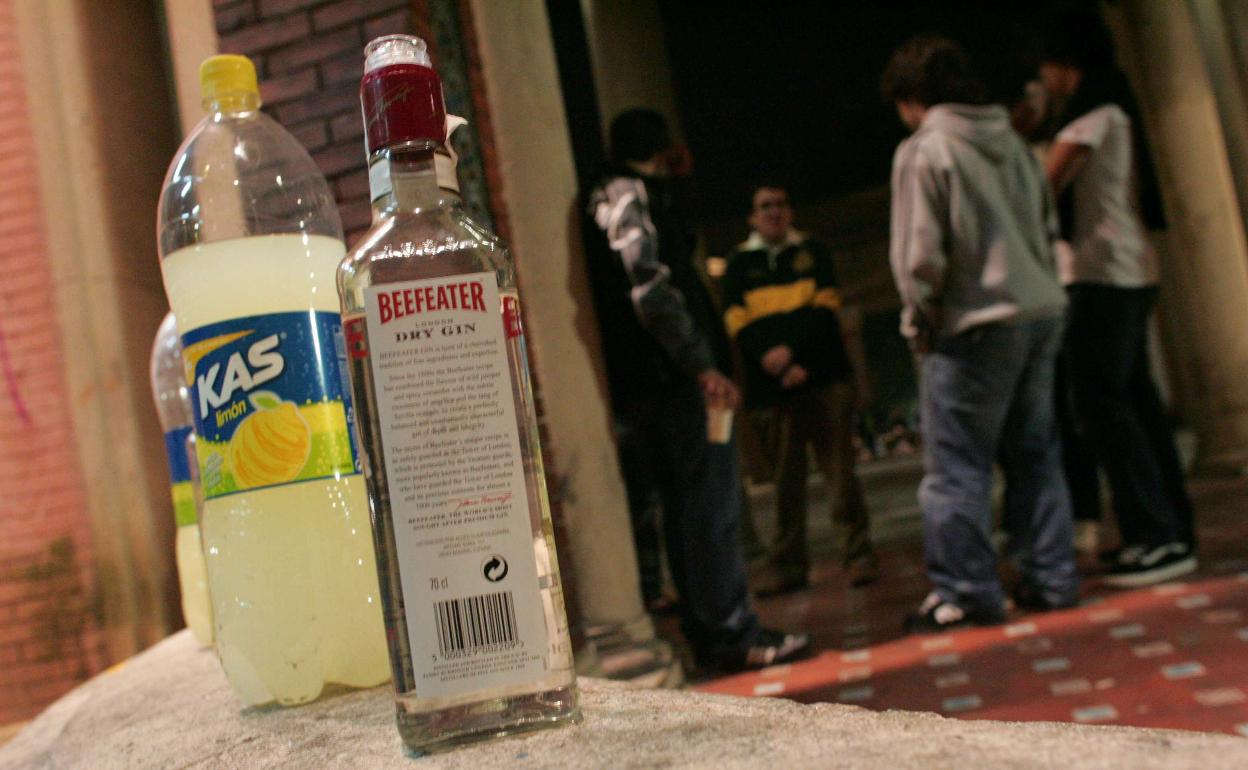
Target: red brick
[[319, 106], [15, 634], [269, 8], [32, 609], [11, 591], [234, 15], [41, 651], [288, 87], [313, 136], [62, 670], [350, 11], [46, 692], [318, 49], [356, 215], [352, 186], [266, 35], [345, 69], [397, 23], [347, 126], [339, 158]]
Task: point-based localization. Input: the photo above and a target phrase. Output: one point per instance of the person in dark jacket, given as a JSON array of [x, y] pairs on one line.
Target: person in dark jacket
[[665, 354], [781, 303]]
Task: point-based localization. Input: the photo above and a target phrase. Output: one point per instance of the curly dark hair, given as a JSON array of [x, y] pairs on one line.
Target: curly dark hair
[[931, 69]]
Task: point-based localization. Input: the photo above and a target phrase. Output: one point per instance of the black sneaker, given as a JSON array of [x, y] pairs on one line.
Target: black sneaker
[[936, 615], [1142, 566], [1032, 598], [771, 648]]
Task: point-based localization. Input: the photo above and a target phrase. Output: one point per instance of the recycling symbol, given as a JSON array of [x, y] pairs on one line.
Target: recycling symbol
[[494, 568]]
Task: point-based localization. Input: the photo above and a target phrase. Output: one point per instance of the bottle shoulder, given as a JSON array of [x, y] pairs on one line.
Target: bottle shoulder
[[241, 175], [425, 244], [424, 234]]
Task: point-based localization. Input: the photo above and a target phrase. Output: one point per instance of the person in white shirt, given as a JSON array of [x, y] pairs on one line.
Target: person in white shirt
[[1111, 276]]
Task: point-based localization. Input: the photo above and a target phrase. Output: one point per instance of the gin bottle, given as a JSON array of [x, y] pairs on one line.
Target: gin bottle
[[470, 585]]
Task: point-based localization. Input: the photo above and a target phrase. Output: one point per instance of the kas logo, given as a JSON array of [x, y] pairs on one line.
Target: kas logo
[[262, 364]]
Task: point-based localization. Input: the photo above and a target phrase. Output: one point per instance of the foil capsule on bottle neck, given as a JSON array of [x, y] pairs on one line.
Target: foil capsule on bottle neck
[[401, 95]]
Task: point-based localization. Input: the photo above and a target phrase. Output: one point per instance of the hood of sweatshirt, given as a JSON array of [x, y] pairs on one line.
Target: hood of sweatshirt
[[985, 128]]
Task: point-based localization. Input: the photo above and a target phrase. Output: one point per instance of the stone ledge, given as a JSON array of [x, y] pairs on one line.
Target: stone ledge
[[171, 707]]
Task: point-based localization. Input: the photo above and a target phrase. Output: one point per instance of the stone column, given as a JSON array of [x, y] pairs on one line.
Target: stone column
[[539, 192], [1205, 278], [1220, 25]]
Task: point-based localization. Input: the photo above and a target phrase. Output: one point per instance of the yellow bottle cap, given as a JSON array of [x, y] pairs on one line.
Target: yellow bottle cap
[[227, 76]]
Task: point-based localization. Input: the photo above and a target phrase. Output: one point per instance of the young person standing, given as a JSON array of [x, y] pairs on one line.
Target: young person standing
[[1095, 168], [781, 303], [971, 250]]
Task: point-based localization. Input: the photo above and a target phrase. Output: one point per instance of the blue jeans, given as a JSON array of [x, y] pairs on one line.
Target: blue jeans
[[988, 396], [664, 450]]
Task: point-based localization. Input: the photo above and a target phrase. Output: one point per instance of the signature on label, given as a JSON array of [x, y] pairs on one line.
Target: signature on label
[[472, 502]]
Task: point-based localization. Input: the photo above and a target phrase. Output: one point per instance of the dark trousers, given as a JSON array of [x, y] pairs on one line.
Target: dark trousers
[[1078, 458], [821, 419], [664, 450], [988, 397], [1118, 404]]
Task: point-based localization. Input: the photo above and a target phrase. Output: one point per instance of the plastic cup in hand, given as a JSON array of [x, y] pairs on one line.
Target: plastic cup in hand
[[718, 424]]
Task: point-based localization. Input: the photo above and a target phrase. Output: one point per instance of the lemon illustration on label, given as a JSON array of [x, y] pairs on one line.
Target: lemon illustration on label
[[271, 445]]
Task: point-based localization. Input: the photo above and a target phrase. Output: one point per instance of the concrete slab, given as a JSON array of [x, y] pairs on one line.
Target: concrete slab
[[171, 707]]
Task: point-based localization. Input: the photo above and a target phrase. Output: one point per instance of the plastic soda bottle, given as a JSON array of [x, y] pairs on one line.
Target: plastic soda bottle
[[249, 241], [173, 409]]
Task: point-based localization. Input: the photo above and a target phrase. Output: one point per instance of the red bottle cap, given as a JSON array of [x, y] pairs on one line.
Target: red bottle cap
[[401, 94]]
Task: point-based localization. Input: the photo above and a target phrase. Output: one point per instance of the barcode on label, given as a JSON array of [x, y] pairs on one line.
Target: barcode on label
[[475, 623]]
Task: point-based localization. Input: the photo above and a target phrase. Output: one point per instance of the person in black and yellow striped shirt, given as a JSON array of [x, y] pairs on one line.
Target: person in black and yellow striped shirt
[[781, 301]]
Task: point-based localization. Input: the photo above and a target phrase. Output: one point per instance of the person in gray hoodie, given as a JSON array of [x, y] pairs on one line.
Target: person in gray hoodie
[[972, 233]]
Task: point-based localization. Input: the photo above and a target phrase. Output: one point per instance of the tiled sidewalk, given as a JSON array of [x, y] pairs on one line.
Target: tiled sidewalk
[[1169, 656]]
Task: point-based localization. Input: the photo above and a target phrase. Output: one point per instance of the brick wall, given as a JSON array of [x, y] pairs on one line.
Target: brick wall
[[48, 636], [309, 56]]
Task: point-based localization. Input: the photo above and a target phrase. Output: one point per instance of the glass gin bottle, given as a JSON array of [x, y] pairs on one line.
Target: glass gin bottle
[[470, 585]]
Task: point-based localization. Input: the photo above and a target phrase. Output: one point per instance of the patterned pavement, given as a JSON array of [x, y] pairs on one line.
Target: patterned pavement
[[1174, 655]]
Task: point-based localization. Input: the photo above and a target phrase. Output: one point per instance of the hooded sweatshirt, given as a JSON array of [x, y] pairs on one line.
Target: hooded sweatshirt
[[973, 226]]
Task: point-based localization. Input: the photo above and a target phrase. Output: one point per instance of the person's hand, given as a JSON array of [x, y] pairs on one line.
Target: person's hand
[[776, 360], [718, 390], [794, 377]]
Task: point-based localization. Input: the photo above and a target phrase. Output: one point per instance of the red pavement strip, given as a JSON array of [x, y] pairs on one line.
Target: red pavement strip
[[1172, 656]]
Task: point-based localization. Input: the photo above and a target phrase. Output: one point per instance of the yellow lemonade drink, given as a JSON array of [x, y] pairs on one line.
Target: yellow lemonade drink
[[193, 582], [285, 522], [173, 410]]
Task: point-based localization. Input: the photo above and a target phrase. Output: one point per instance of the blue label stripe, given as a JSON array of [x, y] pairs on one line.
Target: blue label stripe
[[175, 451], [271, 401]]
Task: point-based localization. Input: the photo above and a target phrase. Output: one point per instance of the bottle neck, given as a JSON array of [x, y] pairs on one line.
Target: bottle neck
[[405, 179], [232, 103]]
